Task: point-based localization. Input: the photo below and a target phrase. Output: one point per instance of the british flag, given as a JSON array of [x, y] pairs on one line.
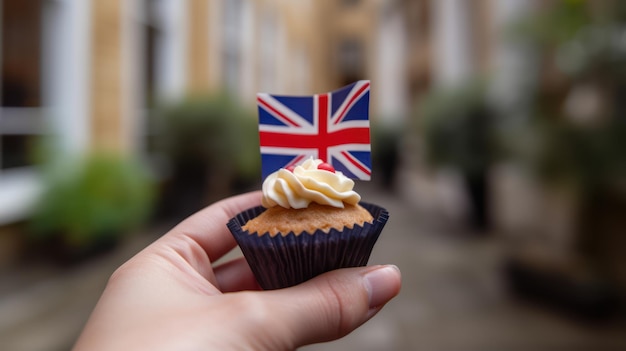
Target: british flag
[[333, 127]]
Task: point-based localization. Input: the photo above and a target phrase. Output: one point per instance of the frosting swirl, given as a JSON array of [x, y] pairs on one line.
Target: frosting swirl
[[308, 184]]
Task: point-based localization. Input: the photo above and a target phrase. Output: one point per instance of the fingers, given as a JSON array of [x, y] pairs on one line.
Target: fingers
[[235, 275], [208, 228], [334, 304]]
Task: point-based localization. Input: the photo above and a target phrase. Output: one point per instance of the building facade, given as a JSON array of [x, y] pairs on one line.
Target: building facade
[[87, 73]]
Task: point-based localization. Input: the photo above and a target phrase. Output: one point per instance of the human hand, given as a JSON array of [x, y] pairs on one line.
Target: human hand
[[170, 297]]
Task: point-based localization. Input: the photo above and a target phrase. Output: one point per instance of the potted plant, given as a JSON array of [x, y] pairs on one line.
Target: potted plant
[[88, 205], [457, 126], [385, 152], [210, 144], [579, 136]]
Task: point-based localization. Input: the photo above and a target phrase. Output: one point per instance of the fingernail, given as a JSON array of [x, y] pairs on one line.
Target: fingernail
[[381, 285]]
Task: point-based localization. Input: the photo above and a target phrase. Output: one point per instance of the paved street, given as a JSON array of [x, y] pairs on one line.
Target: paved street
[[452, 297]]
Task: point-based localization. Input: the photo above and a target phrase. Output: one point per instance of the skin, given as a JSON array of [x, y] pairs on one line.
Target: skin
[[170, 297]]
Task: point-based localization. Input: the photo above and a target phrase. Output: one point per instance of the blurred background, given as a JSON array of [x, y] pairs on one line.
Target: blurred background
[[498, 137]]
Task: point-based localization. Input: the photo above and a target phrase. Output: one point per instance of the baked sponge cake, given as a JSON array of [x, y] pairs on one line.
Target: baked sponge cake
[[280, 221], [311, 221]]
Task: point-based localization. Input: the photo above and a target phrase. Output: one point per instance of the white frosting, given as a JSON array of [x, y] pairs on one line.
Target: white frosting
[[308, 184]]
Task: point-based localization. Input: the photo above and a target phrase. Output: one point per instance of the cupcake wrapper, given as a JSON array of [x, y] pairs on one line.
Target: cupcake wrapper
[[287, 260]]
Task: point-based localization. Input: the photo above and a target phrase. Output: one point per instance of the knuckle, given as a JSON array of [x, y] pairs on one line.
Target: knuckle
[[343, 308], [257, 312], [262, 317]]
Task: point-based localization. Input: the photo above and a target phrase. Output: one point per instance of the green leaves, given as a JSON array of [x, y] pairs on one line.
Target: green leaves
[[99, 195]]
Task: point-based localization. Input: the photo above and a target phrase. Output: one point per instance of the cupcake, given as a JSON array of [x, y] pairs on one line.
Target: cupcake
[[311, 221]]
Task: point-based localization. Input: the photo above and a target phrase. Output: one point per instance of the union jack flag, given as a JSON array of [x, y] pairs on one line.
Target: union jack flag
[[333, 127]]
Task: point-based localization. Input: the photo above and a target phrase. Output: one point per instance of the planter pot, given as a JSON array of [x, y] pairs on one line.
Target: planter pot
[[478, 195], [562, 289], [58, 250]]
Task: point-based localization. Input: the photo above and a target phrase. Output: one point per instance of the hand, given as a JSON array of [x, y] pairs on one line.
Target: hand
[[169, 297]]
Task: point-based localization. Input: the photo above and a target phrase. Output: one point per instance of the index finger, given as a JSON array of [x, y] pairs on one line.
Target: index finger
[[208, 228]]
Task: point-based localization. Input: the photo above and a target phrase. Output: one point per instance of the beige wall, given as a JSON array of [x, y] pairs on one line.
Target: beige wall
[[198, 48], [306, 44], [106, 60]]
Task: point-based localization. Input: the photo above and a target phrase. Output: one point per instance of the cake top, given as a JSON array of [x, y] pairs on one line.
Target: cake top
[[312, 181]]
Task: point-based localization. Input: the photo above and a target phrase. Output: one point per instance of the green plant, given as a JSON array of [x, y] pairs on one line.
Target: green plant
[[457, 128], [213, 131], [589, 159], [385, 151], [101, 196], [578, 125]]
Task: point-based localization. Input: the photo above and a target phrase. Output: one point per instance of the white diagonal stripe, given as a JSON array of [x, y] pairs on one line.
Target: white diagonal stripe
[[289, 113]]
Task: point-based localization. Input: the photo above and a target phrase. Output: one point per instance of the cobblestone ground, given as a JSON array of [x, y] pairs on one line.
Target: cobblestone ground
[[452, 297]]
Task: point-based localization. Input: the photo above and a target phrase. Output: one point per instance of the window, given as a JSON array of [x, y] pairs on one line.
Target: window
[[350, 3], [21, 115], [160, 62], [153, 35], [269, 33], [20, 81], [231, 41]]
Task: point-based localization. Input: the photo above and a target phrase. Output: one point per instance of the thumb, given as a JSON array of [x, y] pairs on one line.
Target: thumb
[[332, 305]]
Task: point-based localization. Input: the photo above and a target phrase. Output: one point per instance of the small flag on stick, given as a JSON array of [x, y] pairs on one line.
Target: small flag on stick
[[333, 127]]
